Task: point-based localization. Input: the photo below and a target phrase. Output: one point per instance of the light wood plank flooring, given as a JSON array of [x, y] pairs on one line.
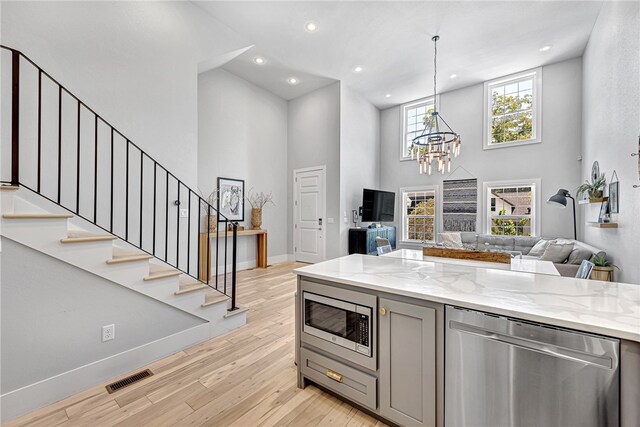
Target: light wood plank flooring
[[244, 378]]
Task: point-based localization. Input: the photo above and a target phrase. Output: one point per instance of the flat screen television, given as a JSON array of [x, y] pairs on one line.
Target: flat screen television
[[377, 206]]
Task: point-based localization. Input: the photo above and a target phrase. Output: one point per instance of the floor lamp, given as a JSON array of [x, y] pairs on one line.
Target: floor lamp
[[560, 200]]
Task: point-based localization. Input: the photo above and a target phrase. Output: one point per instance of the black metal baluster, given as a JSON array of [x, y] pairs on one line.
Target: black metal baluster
[[95, 172], [59, 142], [217, 241], [111, 213], [155, 192], [178, 228], [78, 164], [166, 220], [126, 197], [15, 118], [199, 223], [226, 233], [233, 266], [188, 229], [141, 193], [39, 128], [209, 247]]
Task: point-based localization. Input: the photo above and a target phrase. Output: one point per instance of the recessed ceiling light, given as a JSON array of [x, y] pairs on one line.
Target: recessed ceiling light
[[311, 27], [388, 95], [357, 69], [545, 48], [259, 60], [453, 76], [293, 81]]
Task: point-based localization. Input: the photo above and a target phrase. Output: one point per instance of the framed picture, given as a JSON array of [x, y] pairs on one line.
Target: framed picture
[[585, 270], [604, 212], [230, 199], [613, 197]]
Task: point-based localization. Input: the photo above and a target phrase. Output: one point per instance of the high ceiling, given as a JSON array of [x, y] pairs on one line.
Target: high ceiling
[[391, 41]]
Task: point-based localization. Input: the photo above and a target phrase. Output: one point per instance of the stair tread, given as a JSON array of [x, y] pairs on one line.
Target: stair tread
[[155, 273], [190, 286], [211, 299], [86, 237], [36, 216], [239, 310], [119, 259], [9, 187]]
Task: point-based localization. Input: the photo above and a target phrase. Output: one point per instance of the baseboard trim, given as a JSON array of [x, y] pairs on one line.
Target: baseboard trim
[[29, 398], [249, 264]]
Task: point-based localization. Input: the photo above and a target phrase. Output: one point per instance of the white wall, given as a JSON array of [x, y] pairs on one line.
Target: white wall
[[243, 134], [135, 63], [610, 127], [359, 155], [314, 140], [554, 160], [52, 316]]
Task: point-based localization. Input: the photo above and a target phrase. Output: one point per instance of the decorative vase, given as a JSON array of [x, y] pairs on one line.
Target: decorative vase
[[602, 273], [211, 220], [256, 218], [596, 195]]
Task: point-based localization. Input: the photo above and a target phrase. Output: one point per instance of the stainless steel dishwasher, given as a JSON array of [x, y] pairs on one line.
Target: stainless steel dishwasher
[[501, 371]]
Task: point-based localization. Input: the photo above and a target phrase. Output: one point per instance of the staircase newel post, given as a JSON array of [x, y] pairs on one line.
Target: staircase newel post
[[233, 266], [15, 117]]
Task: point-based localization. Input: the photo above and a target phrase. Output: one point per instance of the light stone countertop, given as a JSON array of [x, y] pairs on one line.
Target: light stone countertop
[[605, 308], [517, 263]]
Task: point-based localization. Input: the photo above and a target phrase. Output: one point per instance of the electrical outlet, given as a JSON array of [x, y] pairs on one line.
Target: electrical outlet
[[184, 213], [108, 332], [330, 220]]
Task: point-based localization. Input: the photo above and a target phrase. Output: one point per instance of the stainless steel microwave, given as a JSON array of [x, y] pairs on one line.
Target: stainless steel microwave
[[340, 322]]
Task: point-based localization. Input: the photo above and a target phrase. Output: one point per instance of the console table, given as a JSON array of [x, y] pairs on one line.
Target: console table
[[261, 248]]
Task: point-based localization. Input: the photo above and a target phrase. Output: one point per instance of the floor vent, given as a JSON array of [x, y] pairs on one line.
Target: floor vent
[[113, 387]]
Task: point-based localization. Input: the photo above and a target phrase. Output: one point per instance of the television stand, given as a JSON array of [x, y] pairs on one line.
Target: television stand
[[362, 240]]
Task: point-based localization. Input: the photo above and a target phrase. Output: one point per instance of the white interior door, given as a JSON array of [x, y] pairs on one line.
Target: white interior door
[[309, 219]]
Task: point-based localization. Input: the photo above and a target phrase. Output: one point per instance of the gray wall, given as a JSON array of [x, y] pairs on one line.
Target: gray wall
[[610, 128], [359, 155], [314, 140], [554, 160], [242, 133], [52, 317]]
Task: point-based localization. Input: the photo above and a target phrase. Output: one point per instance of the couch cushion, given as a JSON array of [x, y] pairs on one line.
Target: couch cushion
[[538, 249], [451, 240], [525, 243], [504, 243], [567, 270], [557, 252], [579, 254]]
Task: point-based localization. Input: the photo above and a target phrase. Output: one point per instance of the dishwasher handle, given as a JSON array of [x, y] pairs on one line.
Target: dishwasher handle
[[537, 346]]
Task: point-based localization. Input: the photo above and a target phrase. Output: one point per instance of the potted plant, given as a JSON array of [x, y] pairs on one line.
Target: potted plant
[[210, 217], [593, 188], [602, 270], [257, 202]]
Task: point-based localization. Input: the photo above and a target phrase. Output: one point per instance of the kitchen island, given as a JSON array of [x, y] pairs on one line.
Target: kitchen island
[[402, 379]]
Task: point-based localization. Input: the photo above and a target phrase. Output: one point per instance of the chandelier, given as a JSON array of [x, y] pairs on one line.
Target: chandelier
[[437, 140]]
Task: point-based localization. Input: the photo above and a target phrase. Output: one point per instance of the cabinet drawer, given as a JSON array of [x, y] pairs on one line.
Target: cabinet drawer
[[344, 380]]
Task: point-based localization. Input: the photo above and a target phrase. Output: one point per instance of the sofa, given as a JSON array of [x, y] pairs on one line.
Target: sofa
[[523, 244]]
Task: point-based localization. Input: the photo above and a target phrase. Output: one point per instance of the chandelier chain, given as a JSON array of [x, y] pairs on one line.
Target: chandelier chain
[[435, 65]]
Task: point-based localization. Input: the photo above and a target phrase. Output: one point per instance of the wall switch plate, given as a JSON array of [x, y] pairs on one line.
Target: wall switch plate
[[184, 213], [330, 220], [108, 332]]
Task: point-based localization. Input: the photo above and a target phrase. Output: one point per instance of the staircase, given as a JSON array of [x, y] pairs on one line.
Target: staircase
[[82, 192]]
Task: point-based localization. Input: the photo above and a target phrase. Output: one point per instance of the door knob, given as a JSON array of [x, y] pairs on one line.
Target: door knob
[[383, 311]]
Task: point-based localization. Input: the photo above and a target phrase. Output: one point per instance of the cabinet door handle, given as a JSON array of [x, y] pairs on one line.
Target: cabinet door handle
[[383, 311], [334, 375]]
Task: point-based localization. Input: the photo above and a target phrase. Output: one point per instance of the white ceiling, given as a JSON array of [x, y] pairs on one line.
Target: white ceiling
[[392, 42]]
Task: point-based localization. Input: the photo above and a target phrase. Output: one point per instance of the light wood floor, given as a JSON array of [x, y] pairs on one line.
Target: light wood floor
[[244, 378]]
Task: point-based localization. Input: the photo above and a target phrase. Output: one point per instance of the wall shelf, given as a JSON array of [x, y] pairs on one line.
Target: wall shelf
[[589, 201], [602, 224]]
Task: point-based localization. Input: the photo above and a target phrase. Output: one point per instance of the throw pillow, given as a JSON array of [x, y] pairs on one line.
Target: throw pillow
[[451, 240], [557, 252], [578, 255], [538, 249]]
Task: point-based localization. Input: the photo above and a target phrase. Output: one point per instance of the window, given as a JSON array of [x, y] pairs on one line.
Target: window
[[418, 214], [413, 115], [510, 208], [513, 110]]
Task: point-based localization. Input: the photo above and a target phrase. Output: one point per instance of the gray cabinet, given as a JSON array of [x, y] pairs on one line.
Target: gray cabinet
[[407, 375]]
